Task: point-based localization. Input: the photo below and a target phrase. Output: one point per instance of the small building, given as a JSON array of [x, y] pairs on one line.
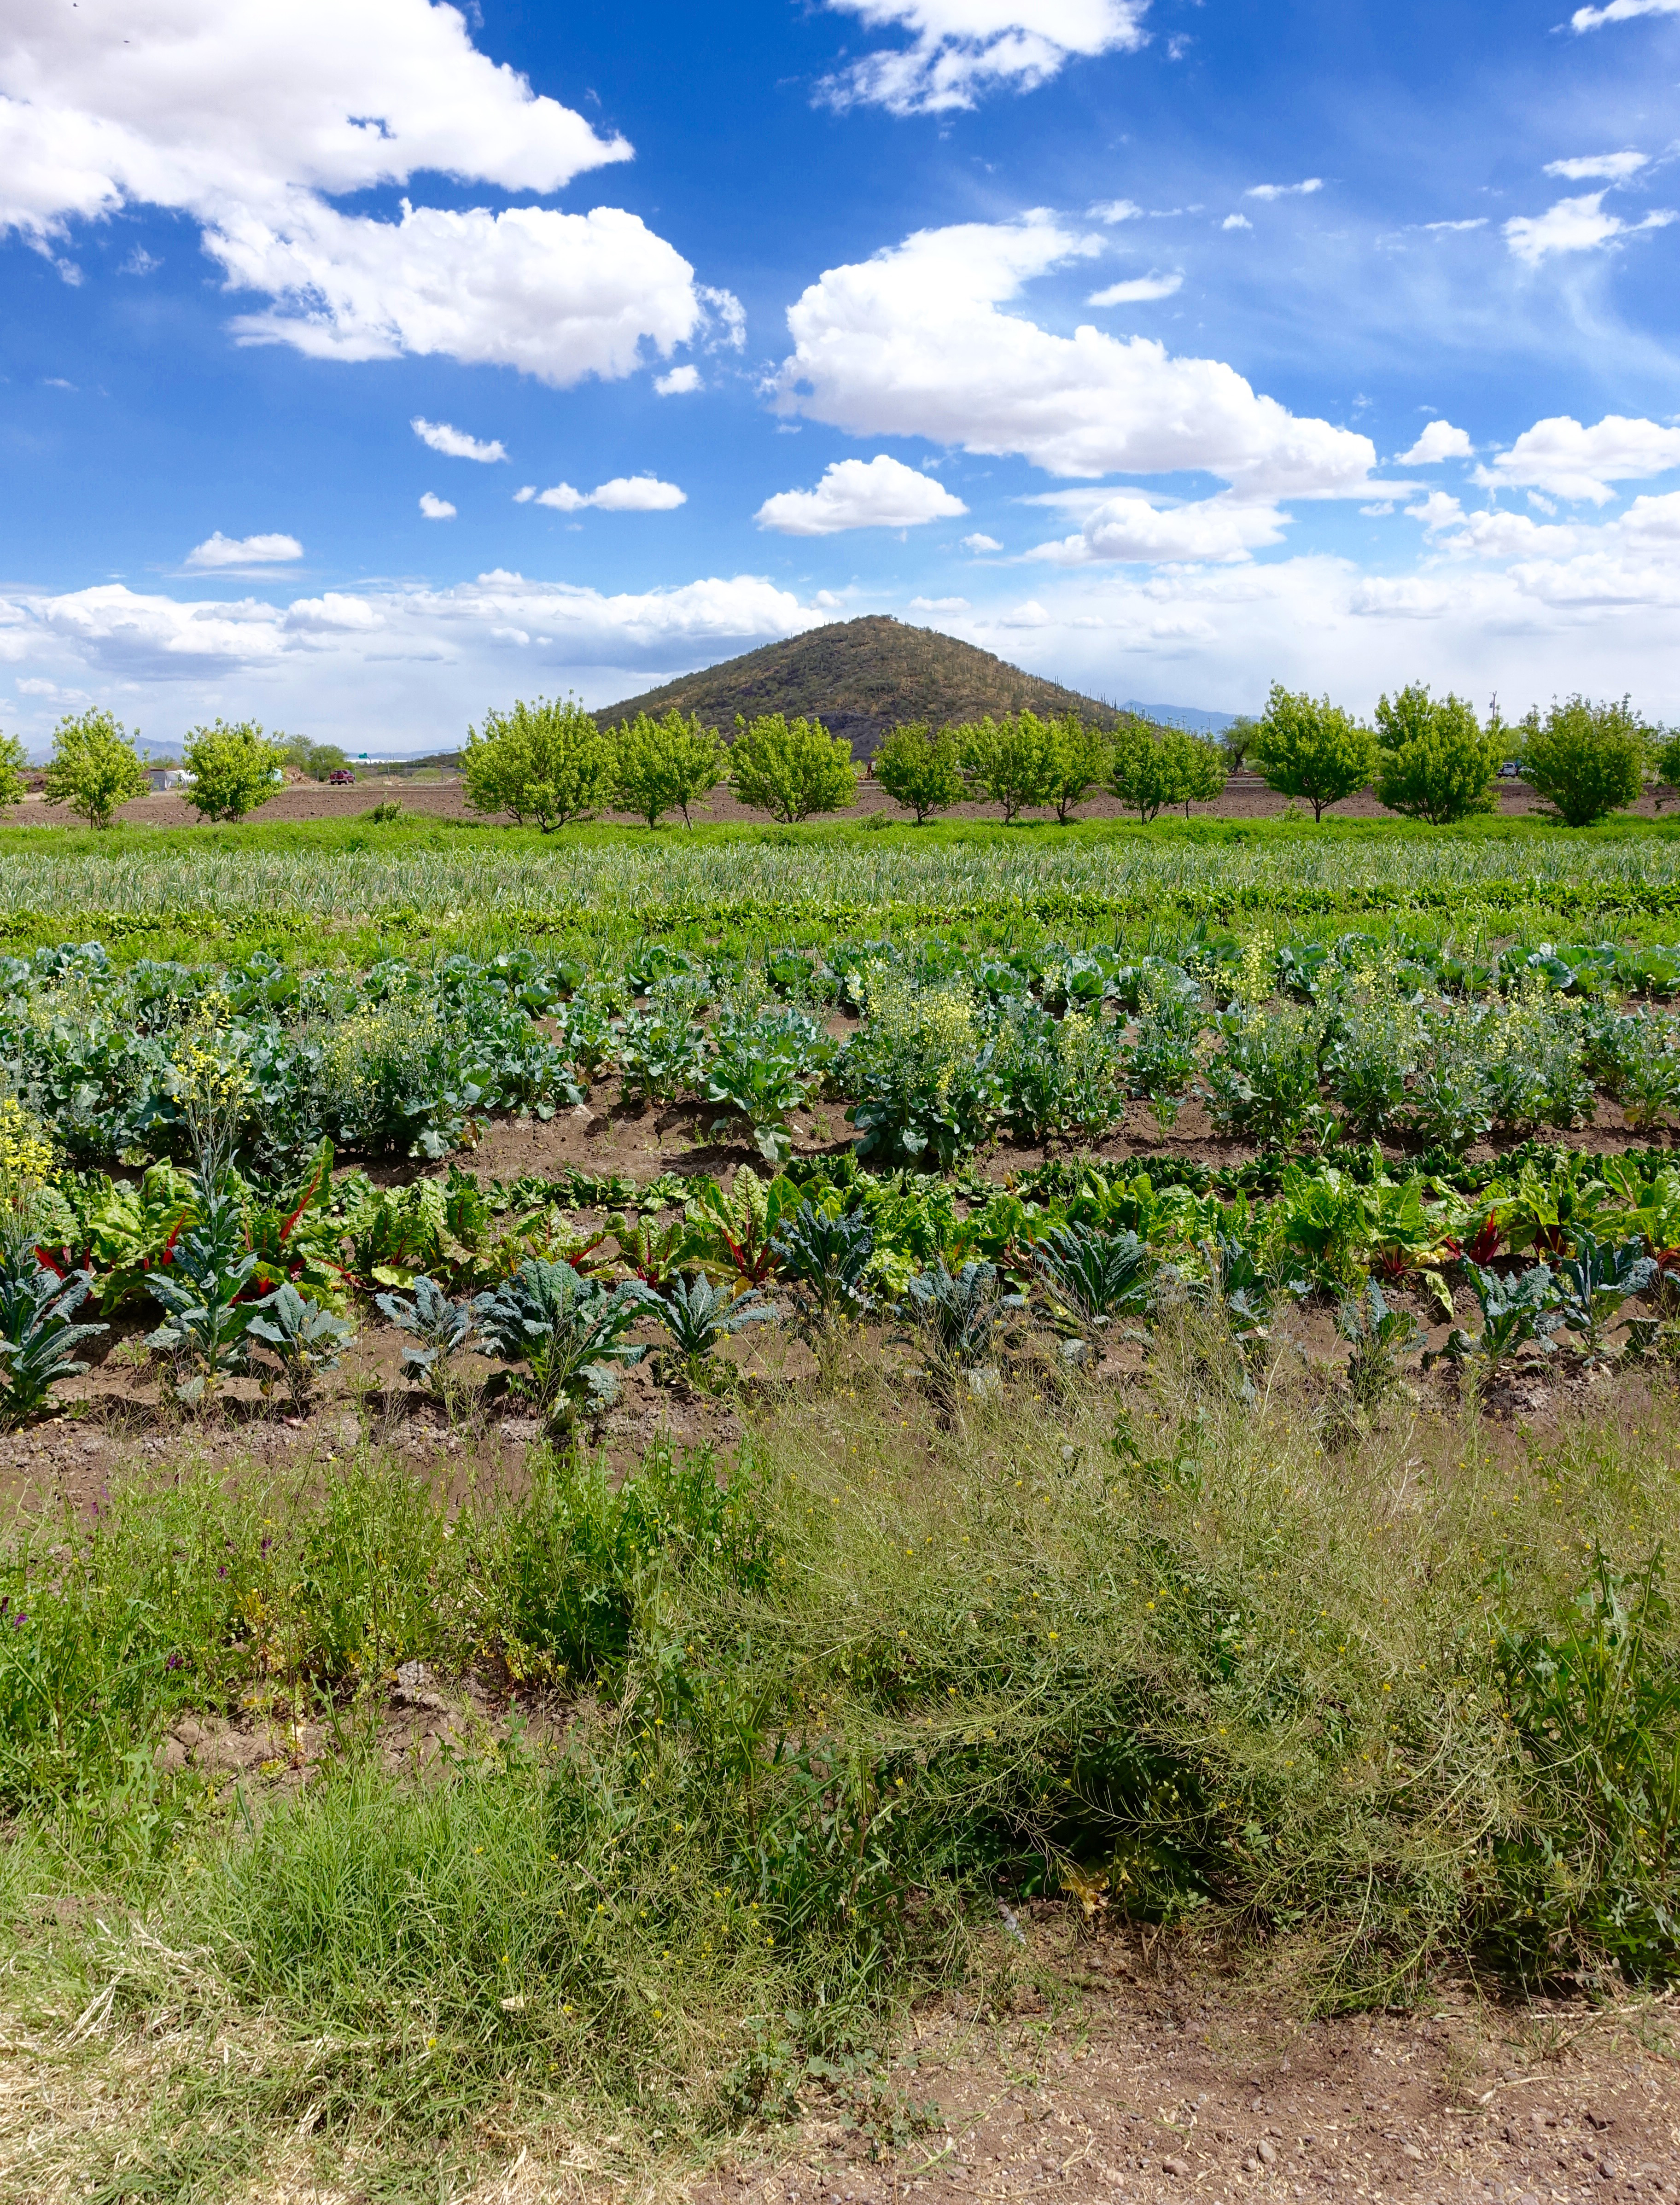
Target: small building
[[164, 777]]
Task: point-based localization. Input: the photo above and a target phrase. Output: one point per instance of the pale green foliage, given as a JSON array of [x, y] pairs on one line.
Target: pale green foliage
[[95, 768], [12, 763], [233, 769], [1309, 748], [546, 762], [920, 770], [1151, 767], [1079, 762], [1437, 763], [1666, 760], [1010, 761], [1585, 759], [665, 765], [318, 760], [791, 768]]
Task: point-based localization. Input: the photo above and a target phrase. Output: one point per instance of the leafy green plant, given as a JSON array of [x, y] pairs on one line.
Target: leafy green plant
[[824, 1256], [921, 1074], [1380, 1338], [1309, 748], [569, 1330], [233, 769], [1010, 761], [205, 1289], [1436, 763], [956, 1315], [765, 1068], [1587, 760], [666, 764], [1594, 1280], [1094, 1276], [1161, 1056], [1060, 1077], [38, 1331], [699, 1315], [1264, 1080], [1515, 1313], [305, 1341], [791, 769], [95, 767], [919, 769], [737, 1232], [546, 762], [441, 1327]]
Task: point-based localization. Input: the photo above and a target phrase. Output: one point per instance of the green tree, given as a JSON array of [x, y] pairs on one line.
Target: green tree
[[791, 768], [1078, 762], [1667, 758], [233, 769], [1010, 761], [12, 764], [546, 762], [1436, 763], [666, 764], [94, 769], [920, 770], [1587, 760], [1199, 767], [318, 760], [1309, 748], [1145, 770], [1239, 740]]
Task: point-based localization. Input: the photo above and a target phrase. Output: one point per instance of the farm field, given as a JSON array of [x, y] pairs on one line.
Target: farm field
[[746, 1503]]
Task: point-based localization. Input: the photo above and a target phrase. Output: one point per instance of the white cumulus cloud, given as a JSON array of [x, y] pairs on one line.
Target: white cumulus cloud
[[251, 119], [623, 494], [678, 383], [1303, 190], [914, 343], [878, 493], [220, 551], [1235, 221], [455, 443], [959, 49], [434, 507], [1135, 291], [1621, 11], [1614, 167], [1440, 441], [1575, 225], [1113, 211], [1575, 462], [1130, 527], [978, 543]]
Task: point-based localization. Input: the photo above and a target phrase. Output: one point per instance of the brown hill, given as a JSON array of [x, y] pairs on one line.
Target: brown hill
[[859, 678]]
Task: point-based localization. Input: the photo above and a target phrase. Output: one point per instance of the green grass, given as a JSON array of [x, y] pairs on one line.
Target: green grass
[[350, 889], [1373, 1702]]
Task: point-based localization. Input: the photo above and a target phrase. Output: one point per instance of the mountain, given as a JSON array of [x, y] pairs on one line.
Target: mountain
[[1189, 716], [860, 677]]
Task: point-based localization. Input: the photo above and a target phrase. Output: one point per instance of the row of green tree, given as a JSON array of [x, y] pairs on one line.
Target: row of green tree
[[551, 763]]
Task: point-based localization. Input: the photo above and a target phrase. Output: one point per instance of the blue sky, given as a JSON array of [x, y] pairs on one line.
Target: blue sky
[[365, 365]]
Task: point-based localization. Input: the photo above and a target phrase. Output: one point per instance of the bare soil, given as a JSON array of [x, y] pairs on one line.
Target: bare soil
[[1245, 797], [1141, 2070]]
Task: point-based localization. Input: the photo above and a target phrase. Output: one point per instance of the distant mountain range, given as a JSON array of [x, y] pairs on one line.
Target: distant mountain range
[[1182, 716]]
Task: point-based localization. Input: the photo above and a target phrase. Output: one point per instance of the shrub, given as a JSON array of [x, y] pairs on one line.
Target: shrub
[[1436, 763], [1144, 771], [546, 762], [791, 769], [663, 765], [95, 767], [1010, 761], [12, 763], [233, 769], [1199, 768], [1309, 748], [1080, 763], [920, 770], [1587, 760]]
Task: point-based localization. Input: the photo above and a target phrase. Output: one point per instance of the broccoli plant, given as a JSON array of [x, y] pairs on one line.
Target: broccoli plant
[[38, 1333], [569, 1330], [441, 1327], [699, 1316], [303, 1340]]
